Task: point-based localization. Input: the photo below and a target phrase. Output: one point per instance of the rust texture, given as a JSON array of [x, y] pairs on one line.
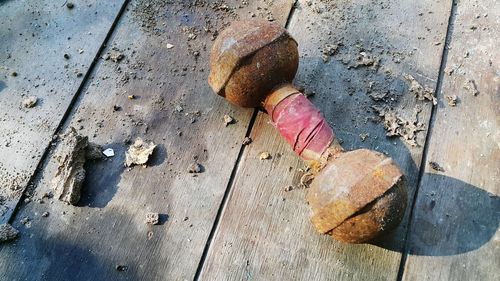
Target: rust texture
[[358, 195], [249, 59]]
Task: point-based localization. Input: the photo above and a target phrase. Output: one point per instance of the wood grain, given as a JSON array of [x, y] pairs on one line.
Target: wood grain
[[174, 107], [454, 231], [264, 232], [35, 36]]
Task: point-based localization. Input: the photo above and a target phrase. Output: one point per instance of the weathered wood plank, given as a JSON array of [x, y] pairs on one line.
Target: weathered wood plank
[[454, 230], [264, 232], [170, 87], [35, 36]]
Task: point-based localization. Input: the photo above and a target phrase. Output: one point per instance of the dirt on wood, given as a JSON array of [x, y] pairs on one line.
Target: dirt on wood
[[7, 232], [152, 218], [195, 168], [420, 92], [139, 153], [30, 102], [396, 125], [73, 151]]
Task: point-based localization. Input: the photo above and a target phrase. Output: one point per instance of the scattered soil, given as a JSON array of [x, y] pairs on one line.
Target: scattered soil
[[398, 126], [328, 51], [114, 54], [471, 86], [7, 232], [452, 100], [366, 59], [139, 152], [420, 92], [30, 102], [74, 150], [152, 218]]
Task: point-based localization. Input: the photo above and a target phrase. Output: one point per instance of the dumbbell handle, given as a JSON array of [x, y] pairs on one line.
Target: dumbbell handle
[[300, 123]]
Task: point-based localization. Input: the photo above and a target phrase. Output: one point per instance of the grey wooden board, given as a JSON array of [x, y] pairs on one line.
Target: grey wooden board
[[108, 229], [454, 231], [264, 232], [34, 36]]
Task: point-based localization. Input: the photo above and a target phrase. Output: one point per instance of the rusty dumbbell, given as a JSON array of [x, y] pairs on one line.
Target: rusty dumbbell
[[355, 195]]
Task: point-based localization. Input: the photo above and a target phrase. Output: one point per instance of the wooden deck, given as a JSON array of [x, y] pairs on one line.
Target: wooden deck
[[236, 220]]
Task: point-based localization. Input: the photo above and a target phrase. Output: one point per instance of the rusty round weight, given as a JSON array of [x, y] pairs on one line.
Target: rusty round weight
[[251, 58], [358, 196]]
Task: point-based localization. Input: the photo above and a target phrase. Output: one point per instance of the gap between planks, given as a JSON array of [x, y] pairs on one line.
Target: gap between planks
[[230, 183], [430, 125], [67, 114]]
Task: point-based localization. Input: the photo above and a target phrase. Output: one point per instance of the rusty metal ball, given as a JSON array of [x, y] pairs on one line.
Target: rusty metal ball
[[358, 196], [251, 58]]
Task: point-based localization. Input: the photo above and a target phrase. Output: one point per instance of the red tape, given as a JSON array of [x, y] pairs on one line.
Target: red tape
[[302, 125]]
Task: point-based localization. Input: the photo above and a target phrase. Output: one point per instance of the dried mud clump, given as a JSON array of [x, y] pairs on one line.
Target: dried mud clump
[[152, 218], [139, 152], [7, 232], [71, 156], [30, 102], [420, 92], [398, 126]]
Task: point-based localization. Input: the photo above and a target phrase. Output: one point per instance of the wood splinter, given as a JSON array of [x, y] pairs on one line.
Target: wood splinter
[[355, 195]]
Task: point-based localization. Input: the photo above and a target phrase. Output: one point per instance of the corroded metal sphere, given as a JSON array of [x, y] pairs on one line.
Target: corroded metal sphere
[[358, 196], [251, 58]]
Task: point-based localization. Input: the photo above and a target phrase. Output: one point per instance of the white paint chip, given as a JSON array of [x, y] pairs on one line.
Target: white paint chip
[[170, 46], [109, 152]]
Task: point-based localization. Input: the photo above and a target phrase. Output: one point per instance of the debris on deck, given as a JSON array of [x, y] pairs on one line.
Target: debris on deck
[[139, 152], [195, 168], [471, 87], [30, 102], [247, 141], [452, 100], [435, 166], [152, 218], [7, 232], [109, 152], [264, 155], [228, 120], [420, 92], [398, 126], [72, 154]]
